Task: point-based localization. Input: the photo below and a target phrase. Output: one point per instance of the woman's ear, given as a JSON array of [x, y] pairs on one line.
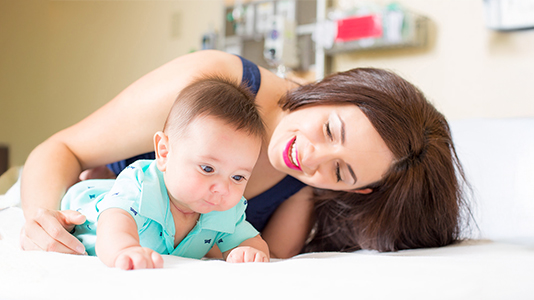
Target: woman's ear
[[362, 191], [161, 148]]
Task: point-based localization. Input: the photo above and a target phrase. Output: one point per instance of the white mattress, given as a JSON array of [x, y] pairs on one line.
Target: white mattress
[[478, 269], [497, 264]]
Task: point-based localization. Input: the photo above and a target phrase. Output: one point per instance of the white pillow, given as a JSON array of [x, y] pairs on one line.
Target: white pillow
[[498, 159]]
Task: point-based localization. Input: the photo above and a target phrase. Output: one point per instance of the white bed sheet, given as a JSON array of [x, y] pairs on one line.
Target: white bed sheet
[[498, 155], [478, 269]]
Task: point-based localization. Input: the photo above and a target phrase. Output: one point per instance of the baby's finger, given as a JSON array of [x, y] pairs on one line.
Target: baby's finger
[[157, 260], [123, 262], [260, 257], [248, 255], [235, 256], [139, 261]]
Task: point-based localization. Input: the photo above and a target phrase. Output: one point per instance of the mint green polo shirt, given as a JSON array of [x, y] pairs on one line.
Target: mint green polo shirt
[[140, 190]]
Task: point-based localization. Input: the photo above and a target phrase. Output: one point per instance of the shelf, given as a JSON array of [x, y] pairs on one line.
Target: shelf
[[414, 34]]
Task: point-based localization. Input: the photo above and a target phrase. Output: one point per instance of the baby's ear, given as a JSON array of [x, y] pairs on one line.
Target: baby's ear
[[161, 148]]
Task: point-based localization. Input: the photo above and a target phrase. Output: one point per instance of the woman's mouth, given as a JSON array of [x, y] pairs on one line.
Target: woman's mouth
[[291, 155]]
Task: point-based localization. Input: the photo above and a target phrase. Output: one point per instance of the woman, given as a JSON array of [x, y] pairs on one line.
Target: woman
[[379, 156]]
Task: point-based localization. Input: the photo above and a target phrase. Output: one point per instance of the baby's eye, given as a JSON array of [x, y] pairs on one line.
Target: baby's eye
[[238, 178], [207, 169]]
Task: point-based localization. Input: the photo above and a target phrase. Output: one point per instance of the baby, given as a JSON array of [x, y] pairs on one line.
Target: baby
[[190, 197]]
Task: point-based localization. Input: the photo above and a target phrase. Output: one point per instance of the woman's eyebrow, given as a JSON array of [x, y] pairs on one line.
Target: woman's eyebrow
[[342, 130], [351, 171]]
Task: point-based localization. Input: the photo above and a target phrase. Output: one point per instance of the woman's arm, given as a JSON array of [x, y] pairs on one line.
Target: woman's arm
[[42, 163], [290, 225], [117, 242], [120, 129]]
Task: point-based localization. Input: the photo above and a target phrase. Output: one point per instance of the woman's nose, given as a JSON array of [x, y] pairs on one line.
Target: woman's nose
[[313, 157]]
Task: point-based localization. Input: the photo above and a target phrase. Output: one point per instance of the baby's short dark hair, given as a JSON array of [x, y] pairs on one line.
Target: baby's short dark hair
[[219, 97]]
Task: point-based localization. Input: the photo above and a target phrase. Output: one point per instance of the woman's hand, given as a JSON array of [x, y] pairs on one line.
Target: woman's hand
[[47, 229], [138, 257], [246, 254]]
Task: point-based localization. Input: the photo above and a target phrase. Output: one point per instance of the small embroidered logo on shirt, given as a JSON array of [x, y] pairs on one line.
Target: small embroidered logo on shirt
[[133, 210], [92, 196], [207, 241], [220, 241], [115, 194]]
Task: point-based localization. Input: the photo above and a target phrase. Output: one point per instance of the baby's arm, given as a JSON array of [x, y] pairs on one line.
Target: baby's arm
[[117, 242], [252, 250]]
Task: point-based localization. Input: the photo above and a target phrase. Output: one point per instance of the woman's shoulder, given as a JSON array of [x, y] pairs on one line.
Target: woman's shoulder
[[272, 89], [231, 65]]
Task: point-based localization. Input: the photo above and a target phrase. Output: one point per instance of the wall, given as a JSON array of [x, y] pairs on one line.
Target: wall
[[61, 60], [467, 70], [22, 75]]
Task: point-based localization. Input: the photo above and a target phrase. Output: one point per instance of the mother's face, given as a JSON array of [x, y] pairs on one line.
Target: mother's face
[[329, 146]]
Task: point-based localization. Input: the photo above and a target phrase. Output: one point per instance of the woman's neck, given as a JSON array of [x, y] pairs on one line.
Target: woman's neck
[[273, 88], [264, 175]]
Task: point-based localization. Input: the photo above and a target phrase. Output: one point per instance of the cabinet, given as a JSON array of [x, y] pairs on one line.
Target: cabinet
[[304, 34], [271, 33]]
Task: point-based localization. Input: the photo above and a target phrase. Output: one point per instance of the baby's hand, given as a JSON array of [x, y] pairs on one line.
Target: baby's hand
[[138, 258], [246, 254]]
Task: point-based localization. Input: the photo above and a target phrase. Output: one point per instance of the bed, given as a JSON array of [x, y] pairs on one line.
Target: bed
[[495, 262]]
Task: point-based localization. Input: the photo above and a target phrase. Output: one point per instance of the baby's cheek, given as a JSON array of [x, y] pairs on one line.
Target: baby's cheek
[[196, 186], [190, 187], [233, 199]]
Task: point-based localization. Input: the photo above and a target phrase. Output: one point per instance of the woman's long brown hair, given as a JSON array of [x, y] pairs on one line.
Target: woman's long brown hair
[[420, 200]]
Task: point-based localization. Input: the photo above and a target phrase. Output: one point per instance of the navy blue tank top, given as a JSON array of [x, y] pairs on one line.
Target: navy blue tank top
[[261, 207]]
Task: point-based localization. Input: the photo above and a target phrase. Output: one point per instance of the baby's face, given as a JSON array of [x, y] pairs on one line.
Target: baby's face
[[209, 166]]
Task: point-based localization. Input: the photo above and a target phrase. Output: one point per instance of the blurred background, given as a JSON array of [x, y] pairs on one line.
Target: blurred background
[[61, 60]]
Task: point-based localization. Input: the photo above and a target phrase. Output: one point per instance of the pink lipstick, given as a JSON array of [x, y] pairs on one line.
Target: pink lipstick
[[288, 153]]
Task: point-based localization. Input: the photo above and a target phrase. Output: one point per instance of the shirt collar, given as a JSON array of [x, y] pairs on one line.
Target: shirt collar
[[221, 221], [154, 202]]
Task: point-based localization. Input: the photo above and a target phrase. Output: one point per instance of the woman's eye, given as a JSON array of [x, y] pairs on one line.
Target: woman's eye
[[238, 178], [338, 173], [328, 131], [206, 169]]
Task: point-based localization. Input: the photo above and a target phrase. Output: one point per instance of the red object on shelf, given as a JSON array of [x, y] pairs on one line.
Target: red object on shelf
[[355, 28]]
